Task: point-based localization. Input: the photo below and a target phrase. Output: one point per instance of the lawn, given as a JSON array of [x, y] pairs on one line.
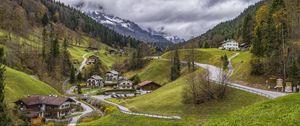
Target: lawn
[[167, 101], [207, 56], [109, 60], [242, 69], [77, 53], [19, 85], [284, 111], [158, 71]]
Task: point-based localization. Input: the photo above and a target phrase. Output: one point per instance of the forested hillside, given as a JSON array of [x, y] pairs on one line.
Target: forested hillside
[[38, 34], [242, 26], [271, 28]]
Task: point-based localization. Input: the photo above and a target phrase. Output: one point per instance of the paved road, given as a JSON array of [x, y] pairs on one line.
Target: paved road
[[215, 73], [127, 111], [87, 110]]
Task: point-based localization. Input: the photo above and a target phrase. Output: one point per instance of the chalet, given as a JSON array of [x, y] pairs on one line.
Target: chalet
[[92, 59], [50, 107], [112, 77], [148, 86], [95, 81], [125, 84], [230, 45]]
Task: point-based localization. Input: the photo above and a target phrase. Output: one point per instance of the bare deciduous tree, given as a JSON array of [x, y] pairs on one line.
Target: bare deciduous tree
[[200, 88]]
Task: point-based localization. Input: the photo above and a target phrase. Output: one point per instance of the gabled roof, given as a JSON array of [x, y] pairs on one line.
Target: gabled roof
[[48, 100], [147, 83], [97, 77], [113, 72]]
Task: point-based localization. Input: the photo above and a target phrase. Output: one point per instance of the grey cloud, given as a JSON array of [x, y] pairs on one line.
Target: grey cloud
[[184, 18]]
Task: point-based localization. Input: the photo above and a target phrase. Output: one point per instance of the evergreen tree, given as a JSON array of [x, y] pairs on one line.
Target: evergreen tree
[[247, 29], [72, 75], [97, 67], [45, 20], [44, 43], [136, 80], [4, 118], [257, 45], [66, 63], [225, 62], [175, 68]]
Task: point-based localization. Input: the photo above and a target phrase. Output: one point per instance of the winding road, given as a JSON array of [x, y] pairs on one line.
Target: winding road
[[215, 73], [87, 110], [125, 110]]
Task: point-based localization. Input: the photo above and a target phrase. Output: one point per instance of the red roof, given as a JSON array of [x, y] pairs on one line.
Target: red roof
[[48, 100], [147, 83]]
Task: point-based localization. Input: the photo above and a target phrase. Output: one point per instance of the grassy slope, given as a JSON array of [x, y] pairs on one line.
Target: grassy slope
[[242, 68], [284, 111], [117, 118], [208, 56], [157, 71], [167, 101], [19, 84], [107, 60]]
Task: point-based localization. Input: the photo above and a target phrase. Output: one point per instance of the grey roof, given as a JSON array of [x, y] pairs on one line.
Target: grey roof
[[114, 72], [97, 77]]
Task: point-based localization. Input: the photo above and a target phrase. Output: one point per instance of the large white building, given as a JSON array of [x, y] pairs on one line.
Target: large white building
[[230, 45]]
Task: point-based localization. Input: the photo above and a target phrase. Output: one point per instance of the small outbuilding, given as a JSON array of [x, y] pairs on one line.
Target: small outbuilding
[[148, 86]]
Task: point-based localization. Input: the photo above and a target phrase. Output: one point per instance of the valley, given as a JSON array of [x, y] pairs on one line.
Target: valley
[[76, 64]]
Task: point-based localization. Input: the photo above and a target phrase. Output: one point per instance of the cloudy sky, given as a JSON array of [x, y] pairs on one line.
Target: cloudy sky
[[184, 18]]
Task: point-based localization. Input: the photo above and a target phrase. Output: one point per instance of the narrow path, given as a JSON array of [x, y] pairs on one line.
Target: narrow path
[[215, 73], [127, 111]]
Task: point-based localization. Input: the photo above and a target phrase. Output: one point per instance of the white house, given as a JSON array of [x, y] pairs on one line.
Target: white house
[[95, 81], [112, 76], [125, 84], [230, 45]]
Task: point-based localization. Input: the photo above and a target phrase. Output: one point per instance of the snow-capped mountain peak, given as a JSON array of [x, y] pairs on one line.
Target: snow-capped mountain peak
[[125, 27]]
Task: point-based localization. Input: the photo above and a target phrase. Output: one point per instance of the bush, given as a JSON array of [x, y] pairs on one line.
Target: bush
[[257, 66]]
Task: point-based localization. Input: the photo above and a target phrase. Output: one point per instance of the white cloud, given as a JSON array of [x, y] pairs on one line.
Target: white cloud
[[184, 18]]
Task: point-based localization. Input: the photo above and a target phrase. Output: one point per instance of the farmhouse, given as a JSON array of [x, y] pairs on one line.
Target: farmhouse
[[125, 84], [92, 59], [112, 77], [50, 107], [230, 45], [95, 81], [148, 86]]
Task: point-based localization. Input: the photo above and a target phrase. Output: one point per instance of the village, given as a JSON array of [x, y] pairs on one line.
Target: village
[[41, 108], [44, 108]]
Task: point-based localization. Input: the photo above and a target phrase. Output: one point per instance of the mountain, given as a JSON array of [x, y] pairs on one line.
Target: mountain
[[126, 27], [174, 39]]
